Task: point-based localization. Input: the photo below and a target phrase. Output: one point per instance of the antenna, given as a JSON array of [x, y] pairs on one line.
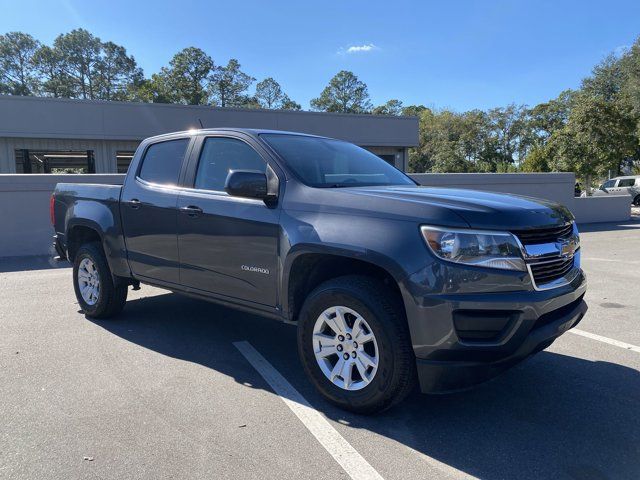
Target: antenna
[[201, 125]]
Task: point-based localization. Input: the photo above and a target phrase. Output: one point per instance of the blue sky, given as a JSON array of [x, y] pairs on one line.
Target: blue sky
[[459, 54]]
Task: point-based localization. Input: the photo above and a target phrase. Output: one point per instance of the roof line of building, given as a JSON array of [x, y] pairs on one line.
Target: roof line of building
[[203, 107]]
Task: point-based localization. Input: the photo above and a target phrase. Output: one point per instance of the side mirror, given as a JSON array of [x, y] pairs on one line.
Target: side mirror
[[251, 184]]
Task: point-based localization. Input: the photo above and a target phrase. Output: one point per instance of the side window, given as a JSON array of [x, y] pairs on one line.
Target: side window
[[626, 182], [608, 184], [219, 155], [162, 161]]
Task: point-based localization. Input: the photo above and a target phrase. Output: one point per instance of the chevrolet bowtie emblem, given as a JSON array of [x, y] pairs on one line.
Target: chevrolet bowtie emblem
[[568, 247]]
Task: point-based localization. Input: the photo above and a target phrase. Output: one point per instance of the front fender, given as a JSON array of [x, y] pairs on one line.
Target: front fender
[[395, 246]]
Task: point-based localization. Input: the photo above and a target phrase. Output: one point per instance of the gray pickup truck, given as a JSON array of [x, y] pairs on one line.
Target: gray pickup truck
[[390, 284]]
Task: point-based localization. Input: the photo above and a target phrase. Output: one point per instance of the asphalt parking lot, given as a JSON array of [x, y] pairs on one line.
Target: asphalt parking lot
[[163, 392]]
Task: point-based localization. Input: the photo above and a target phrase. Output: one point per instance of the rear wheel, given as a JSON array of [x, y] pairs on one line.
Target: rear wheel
[[97, 293], [636, 200], [355, 345]]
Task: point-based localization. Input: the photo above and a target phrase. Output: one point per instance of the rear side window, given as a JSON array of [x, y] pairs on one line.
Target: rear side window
[[162, 161], [219, 156], [627, 182], [608, 184]]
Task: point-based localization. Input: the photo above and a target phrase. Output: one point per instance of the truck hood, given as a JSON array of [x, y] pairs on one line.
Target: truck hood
[[440, 206]]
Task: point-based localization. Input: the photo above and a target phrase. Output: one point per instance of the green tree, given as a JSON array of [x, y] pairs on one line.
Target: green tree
[[509, 134], [288, 104], [391, 107], [116, 72], [597, 138], [18, 74], [606, 80], [80, 53], [547, 117], [269, 93], [229, 84], [56, 82], [413, 110], [185, 80], [344, 94], [537, 160]]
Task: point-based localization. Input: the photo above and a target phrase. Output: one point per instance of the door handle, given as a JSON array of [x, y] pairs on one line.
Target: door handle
[[134, 203], [191, 210]]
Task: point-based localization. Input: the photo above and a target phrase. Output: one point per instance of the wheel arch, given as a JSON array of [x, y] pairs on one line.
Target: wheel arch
[[79, 232], [309, 266]]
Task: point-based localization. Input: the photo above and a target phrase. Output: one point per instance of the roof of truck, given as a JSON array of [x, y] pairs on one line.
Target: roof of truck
[[250, 131]]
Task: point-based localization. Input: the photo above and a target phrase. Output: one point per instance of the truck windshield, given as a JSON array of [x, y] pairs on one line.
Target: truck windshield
[[326, 163]]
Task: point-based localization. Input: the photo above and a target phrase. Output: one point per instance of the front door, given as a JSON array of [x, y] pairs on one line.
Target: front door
[[149, 215], [228, 245]]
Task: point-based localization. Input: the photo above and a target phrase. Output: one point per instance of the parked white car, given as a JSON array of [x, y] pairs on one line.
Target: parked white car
[[629, 185]]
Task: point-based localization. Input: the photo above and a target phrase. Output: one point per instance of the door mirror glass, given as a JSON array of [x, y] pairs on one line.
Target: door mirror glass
[[247, 184]]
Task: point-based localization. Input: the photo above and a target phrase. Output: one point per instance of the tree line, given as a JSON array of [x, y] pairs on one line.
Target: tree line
[[593, 130], [80, 65]]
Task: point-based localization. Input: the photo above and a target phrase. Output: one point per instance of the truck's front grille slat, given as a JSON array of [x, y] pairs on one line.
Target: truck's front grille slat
[[546, 273], [550, 268], [544, 235]]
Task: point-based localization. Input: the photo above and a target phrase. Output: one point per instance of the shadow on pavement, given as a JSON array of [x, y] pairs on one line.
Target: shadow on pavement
[[20, 264], [631, 224], [555, 416]]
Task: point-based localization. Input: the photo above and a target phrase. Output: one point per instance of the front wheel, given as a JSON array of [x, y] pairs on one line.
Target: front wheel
[[636, 200], [97, 293], [355, 346]]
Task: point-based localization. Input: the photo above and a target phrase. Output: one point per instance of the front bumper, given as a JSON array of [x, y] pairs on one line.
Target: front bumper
[[466, 337]]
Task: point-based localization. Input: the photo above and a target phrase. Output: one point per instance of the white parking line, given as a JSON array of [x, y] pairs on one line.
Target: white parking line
[[610, 341], [614, 260], [349, 459]]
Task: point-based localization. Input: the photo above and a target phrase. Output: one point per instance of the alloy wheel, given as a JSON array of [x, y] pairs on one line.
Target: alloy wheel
[[89, 281], [345, 348]]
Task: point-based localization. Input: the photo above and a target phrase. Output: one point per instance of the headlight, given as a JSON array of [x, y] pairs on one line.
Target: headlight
[[475, 247]]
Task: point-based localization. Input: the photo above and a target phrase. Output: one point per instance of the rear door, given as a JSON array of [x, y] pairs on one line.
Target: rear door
[[228, 245], [149, 211]]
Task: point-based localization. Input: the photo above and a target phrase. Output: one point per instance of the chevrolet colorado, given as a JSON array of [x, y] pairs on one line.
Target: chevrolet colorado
[[390, 283]]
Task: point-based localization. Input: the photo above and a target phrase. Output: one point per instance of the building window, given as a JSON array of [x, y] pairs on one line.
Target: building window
[[123, 159], [55, 161], [390, 159]]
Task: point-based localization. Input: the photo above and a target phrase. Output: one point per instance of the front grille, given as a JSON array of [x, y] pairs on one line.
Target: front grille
[[550, 270], [544, 235]]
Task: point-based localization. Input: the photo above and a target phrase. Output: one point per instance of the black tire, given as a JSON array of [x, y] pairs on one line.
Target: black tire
[[112, 296], [396, 376], [636, 201]]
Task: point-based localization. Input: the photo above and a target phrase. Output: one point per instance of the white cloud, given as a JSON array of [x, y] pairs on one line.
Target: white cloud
[[367, 47]]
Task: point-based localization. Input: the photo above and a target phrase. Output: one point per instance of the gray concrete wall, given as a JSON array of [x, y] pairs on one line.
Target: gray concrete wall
[[552, 186], [615, 208], [24, 201], [558, 187], [104, 150], [24, 210]]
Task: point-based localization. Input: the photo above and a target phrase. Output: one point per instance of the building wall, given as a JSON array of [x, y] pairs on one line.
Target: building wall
[[104, 150], [24, 203], [557, 187], [400, 154], [24, 210], [89, 119]]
